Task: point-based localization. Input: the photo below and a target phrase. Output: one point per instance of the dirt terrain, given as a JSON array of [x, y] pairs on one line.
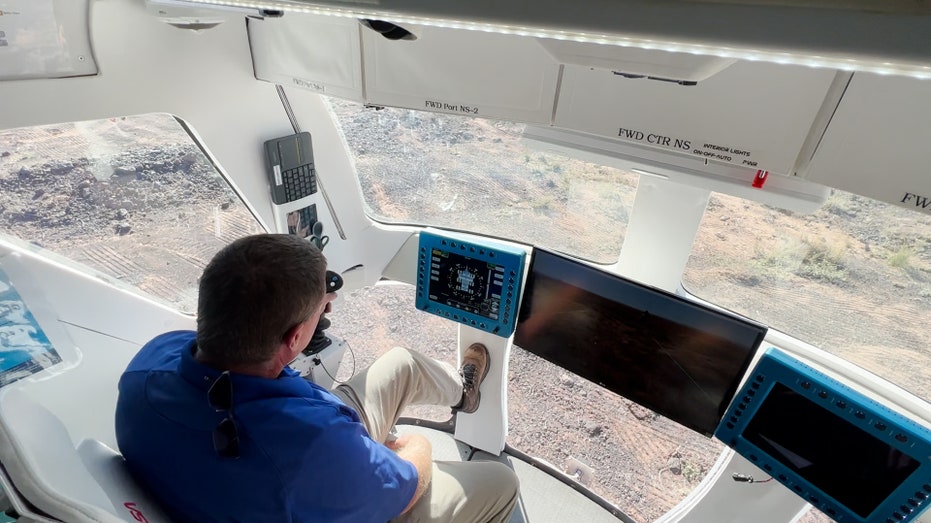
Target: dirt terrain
[[137, 201]]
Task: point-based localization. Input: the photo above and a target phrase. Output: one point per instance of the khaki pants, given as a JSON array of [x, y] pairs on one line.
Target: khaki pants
[[467, 492]]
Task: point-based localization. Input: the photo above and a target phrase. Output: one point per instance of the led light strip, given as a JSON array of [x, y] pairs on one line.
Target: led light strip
[[882, 68]]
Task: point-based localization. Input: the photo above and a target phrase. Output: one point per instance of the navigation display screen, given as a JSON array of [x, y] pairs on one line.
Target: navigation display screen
[[841, 459], [465, 283]]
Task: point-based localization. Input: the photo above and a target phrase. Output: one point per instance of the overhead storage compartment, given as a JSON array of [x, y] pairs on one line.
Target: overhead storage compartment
[[683, 67], [878, 143], [317, 53], [470, 73], [750, 114]]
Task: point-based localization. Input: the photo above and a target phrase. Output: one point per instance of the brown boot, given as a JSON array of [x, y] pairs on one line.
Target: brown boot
[[473, 370]]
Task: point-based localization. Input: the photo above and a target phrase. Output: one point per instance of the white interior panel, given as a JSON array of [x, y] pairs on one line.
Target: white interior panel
[[318, 53], [633, 60], [44, 39], [879, 142], [750, 114], [461, 72]]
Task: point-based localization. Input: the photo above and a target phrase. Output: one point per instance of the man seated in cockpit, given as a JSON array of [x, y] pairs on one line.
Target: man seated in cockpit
[[219, 428]]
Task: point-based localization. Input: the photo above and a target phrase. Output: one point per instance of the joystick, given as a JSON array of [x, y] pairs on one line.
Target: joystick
[[320, 340]]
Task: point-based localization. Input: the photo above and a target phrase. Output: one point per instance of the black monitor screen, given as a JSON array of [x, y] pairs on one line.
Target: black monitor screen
[[846, 463], [676, 357], [465, 283]]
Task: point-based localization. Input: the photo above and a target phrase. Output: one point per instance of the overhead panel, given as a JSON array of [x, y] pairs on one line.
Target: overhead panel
[[462, 72], [45, 39], [750, 114], [312, 52], [878, 143]]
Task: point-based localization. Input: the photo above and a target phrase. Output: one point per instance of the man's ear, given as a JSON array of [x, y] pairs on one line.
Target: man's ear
[[293, 336]]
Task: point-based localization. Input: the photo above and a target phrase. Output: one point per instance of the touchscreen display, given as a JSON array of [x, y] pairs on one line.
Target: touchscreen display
[[841, 459], [465, 283]]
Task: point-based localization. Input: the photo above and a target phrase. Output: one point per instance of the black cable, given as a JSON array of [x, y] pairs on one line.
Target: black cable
[[319, 362], [744, 478]]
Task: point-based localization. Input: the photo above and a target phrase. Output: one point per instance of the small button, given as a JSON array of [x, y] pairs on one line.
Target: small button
[[806, 385], [730, 425], [901, 437], [906, 509], [734, 419], [751, 393], [782, 477], [841, 404], [822, 394], [859, 414], [753, 457], [814, 499], [747, 399], [880, 426], [896, 515], [738, 412], [742, 406], [912, 502], [831, 512], [760, 378], [755, 385], [921, 495], [767, 467]]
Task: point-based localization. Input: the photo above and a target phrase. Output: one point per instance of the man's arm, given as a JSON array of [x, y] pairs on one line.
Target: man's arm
[[417, 450]]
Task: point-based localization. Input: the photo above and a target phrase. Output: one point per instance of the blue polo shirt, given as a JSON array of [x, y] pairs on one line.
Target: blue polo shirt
[[304, 455]]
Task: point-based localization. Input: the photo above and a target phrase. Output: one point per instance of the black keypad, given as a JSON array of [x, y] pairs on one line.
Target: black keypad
[[299, 182]]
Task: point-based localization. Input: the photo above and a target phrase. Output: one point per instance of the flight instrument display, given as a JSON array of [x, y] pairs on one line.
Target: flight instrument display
[[471, 283]]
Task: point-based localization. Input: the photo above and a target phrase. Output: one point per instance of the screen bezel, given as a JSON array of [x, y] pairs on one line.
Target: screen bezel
[[776, 367], [597, 282], [511, 259]]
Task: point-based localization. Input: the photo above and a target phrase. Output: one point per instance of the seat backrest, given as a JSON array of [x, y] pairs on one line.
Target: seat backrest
[[89, 483]]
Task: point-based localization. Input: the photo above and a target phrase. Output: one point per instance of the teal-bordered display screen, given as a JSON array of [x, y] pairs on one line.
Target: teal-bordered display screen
[[476, 284]]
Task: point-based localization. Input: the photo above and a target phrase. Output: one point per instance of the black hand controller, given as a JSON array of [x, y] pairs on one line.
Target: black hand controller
[[319, 340]]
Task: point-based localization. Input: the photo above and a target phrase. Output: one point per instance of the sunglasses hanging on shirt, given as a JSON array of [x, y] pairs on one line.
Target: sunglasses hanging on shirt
[[226, 435]]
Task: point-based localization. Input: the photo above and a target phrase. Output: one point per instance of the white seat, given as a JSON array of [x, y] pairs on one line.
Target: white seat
[[48, 478]]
